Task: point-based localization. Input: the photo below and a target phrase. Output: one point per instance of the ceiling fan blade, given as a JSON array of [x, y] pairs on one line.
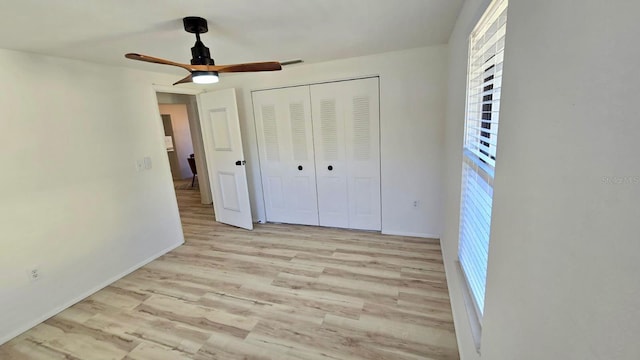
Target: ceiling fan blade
[[291, 62], [187, 79], [247, 67], [155, 60]]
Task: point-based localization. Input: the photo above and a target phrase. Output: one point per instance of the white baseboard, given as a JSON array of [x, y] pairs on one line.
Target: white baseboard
[[84, 295], [411, 234]]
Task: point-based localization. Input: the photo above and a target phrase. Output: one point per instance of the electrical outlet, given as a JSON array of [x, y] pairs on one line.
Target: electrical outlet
[[34, 273], [139, 165], [416, 203]]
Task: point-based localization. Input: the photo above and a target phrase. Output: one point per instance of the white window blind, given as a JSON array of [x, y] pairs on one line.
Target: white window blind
[[484, 85], [486, 54]]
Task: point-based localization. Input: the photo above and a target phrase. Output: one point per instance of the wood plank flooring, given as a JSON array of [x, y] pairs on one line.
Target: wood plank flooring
[[278, 292]]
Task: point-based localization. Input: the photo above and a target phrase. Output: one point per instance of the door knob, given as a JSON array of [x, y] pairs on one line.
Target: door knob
[[300, 167], [330, 167], [240, 162]]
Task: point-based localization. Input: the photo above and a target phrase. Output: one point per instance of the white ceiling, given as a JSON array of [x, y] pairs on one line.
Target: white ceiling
[[239, 30]]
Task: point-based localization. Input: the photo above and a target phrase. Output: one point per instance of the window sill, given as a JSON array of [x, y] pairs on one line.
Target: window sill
[[472, 314]]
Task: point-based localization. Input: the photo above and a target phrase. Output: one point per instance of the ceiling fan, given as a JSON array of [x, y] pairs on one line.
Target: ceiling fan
[[202, 69]]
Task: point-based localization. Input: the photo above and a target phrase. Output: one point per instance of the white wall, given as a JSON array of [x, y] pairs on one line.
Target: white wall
[[181, 134], [563, 269], [411, 115], [72, 202]]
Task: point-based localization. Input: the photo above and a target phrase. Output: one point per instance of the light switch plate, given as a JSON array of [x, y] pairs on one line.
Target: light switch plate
[[147, 162]]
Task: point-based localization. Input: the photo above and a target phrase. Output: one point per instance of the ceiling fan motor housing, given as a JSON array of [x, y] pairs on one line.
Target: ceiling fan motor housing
[[200, 53]]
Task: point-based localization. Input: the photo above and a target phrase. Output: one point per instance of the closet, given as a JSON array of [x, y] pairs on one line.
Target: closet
[[319, 149]]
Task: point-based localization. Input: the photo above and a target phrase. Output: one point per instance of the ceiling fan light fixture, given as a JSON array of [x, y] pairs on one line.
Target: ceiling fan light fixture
[[205, 77]]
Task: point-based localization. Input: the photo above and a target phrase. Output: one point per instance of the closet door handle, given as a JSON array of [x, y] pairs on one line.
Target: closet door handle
[[330, 167], [300, 167]]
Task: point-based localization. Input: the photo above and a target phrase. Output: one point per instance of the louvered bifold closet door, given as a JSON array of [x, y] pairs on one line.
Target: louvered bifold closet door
[[346, 125], [285, 142]]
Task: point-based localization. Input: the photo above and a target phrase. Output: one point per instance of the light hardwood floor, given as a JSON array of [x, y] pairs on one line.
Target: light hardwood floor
[[278, 292]]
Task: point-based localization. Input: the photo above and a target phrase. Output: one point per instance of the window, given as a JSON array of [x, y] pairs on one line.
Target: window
[[484, 85]]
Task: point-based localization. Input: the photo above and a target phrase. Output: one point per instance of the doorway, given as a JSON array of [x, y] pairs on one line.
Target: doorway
[[181, 123], [221, 168], [183, 142]]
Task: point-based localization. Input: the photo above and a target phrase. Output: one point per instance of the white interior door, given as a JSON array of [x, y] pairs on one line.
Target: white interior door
[[346, 123], [331, 163], [362, 131], [285, 142], [225, 158]]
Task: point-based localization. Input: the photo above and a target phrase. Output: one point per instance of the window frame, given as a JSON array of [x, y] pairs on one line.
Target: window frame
[[484, 67]]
